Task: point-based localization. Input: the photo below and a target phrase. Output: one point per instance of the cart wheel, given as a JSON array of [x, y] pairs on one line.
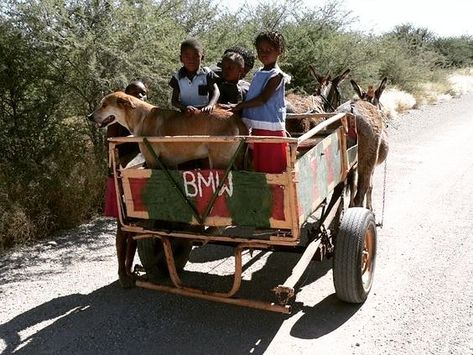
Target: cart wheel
[[151, 253], [355, 255]]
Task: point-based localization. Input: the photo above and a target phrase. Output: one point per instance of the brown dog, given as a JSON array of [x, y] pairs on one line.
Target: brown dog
[[146, 120]]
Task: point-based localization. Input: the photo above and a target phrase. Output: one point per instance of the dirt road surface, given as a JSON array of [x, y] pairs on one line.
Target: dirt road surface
[[61, 295]]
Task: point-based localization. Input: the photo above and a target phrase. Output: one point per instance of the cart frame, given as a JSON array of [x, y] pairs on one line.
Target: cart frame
[[284, 234]]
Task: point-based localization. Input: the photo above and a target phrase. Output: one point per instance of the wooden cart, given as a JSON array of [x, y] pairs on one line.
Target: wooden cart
[[303, 209]]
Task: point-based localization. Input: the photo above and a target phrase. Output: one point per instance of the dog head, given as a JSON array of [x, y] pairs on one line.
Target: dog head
[[112, 108]]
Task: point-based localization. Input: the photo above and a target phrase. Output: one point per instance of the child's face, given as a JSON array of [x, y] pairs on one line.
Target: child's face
[[267, 53], [191, 59], [231, 71]]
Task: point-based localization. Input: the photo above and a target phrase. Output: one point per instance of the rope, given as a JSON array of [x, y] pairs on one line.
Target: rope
[[380, 224]]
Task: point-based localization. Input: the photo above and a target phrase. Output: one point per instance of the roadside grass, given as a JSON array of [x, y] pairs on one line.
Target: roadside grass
[[446, 87]]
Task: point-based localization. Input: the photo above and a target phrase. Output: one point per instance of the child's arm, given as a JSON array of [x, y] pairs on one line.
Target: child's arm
[[175, 98], [214, 94], [265, 95]]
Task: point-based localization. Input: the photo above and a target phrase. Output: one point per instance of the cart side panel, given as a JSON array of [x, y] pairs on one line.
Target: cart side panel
[[352, 153], [318, 172], [246, 198]]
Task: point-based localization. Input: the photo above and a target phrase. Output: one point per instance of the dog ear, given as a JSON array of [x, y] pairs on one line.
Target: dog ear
[[126, 101]]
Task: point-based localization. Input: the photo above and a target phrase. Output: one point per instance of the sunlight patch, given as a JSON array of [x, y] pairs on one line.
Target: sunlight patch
[[461, 84], [394, 101]]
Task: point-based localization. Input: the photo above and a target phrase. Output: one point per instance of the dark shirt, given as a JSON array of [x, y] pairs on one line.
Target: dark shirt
[[117, 130], [231, 93]]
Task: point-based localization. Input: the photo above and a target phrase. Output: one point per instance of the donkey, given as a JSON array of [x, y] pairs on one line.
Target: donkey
[[326, 98], [371, 136], [372, 96]]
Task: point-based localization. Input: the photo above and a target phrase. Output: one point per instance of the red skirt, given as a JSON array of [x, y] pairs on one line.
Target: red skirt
[[269, 157], [111, 207]]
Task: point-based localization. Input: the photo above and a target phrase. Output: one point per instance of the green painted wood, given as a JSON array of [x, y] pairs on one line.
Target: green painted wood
[[248, 199], [317, 170], [163, 199], [174, 182], [251, 203]]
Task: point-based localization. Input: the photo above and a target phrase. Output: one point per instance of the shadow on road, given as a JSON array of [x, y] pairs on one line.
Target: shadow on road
[[323, 318], [63, 249], [114, 320]]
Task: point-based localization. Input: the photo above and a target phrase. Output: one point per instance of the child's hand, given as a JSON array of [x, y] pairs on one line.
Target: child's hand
[[191, 110], [207, 109]]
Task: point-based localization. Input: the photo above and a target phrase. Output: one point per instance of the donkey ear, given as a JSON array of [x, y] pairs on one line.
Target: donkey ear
[[126, 101], [341, 77], [358, 89], [314, 73], [380, 89]]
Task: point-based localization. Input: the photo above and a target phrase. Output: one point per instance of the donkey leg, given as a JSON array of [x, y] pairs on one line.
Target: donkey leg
[[365, 172], [351, 182], [369, 202], [383, 149]]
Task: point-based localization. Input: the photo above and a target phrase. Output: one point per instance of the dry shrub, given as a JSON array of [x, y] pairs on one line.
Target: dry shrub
[[394, 101], [15, 227], [60, 192], [461, 83], [431, 92]]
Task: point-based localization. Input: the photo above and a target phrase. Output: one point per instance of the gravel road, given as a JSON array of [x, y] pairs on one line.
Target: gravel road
[[61, 295]]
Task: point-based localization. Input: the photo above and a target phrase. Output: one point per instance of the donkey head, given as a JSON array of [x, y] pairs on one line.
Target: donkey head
[[372, 96], [328, 88]]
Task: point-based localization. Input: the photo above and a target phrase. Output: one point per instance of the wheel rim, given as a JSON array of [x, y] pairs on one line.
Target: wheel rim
[[367, 258]]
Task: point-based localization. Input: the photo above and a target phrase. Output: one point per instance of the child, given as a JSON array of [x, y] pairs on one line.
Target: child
[[232, 89], [194, 88], [248, 58], [126, 153], [264, 110]]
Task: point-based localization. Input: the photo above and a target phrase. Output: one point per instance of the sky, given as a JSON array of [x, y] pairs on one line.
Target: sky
[[443, 17]]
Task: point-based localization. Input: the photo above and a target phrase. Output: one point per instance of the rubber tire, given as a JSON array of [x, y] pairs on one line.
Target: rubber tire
[[334, 225], [153, 259], [349, 245]]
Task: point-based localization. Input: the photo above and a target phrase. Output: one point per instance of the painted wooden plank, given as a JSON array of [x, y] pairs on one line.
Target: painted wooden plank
[[246, 199], [318, 171]]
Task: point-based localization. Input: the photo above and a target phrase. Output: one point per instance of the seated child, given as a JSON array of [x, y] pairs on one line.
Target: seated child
[[194, 87]]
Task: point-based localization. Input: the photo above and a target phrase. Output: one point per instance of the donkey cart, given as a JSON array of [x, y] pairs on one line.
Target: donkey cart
[[304, 209]]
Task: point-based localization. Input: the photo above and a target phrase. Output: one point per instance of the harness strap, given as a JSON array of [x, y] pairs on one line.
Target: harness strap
[[380, 223]]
